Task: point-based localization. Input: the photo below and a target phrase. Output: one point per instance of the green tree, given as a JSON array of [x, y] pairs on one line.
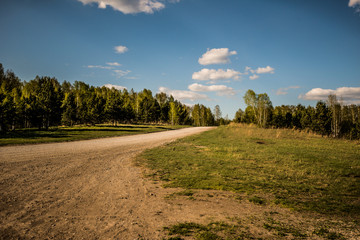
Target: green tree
[[263, 107], [7, 111], [164, 104], [322, 120], [82, 93], [260, 105], [249, 115], [173, 113], [217, 114], [336, 115], [95, 106], [239, 116], [129, 114], [251, 100], [69, 109], [10, 94], [114, 106], [196, 115]]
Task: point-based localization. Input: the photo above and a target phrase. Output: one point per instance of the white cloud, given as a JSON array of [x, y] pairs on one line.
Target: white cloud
[[216, 56], [128, 6], [121, 73], [184, 95], [267, 69], [247, 70], [99, 66], [121, 49], [132, 78], [253, 77], [213, 75], [283, 91], [353, 3], [102, 5], [117, 87], [115, 64], [220, 90], [112, 66], [259, 70], [317, 94], [350, 95]]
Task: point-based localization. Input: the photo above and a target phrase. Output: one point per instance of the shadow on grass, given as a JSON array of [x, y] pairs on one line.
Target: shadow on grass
[[32, 134], [57, 133], [101, 130]]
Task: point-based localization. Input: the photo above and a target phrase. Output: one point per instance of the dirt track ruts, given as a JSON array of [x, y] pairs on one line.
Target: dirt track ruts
[[82, 190]]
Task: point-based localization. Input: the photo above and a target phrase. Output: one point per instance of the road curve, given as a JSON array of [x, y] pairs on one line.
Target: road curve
[[81, 190]]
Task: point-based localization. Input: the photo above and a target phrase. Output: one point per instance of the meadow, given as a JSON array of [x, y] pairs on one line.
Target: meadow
[[75, 133], [296, 170]]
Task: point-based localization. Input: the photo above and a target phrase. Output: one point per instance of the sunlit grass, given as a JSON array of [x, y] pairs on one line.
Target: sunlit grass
[[285, 167], [62, 134]]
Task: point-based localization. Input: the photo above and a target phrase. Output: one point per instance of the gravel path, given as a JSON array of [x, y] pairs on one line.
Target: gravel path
[[82, 190]]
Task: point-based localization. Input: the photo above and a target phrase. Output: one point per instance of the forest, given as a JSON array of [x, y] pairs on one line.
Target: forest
[[331, 118], [44, 102]]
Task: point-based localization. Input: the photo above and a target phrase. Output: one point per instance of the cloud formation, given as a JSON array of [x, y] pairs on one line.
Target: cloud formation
[[121, 73], [350, 95], [128, 6], [115, 64], [259, 70], [182, 95], [112, 66], [267, 69], [253, 77], [221, 90], [121, 49], [216, 56], [284, 91], [117, 87], [100, 66], [354, 3], [213, 75]]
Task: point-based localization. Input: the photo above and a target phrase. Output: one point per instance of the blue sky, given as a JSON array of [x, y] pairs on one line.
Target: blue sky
[[201, 51]]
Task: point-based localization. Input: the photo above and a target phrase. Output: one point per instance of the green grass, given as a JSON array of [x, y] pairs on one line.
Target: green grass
[[212, 231], [289, 168], [283, 230], [237, 229], [327, 234], [257, 200], [62, 134]]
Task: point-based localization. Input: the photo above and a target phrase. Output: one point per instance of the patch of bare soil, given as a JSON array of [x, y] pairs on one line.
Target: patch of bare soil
[[92, 190], [253, 221]]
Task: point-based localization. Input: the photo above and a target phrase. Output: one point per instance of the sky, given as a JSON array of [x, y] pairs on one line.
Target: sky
[[200, 51]]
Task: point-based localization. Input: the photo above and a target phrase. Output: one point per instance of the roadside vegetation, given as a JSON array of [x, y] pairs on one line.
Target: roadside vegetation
[[290, 169], [63, 134]]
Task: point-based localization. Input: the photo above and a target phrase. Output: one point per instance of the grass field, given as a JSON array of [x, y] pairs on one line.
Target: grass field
[[62, 134], [287, 168]]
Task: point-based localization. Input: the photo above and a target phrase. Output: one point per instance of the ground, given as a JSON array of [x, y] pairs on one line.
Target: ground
[[93, 190]]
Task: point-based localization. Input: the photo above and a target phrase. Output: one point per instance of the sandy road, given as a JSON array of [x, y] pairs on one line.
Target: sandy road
[[83, 190]]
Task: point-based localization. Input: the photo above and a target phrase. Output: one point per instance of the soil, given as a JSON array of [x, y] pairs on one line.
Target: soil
[[92, 190]]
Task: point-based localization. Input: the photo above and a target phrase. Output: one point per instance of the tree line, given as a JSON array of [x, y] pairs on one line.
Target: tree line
[[330, 118], [44, 102]]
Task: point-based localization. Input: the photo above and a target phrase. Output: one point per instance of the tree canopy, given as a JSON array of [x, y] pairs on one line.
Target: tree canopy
[[330, 118], [44, 102]]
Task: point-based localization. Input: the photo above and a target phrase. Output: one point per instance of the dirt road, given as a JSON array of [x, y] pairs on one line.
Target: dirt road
[[82, 190]]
